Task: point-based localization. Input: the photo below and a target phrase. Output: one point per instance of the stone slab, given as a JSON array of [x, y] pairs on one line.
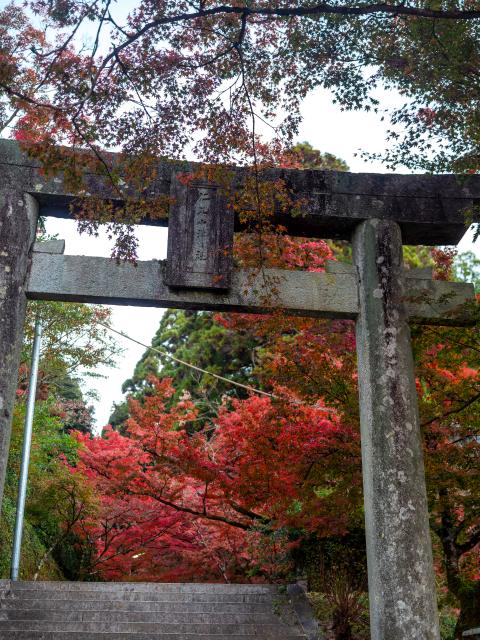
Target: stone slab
[[200, 237], [63, 586], [82, 635], [50, 246], [310, 294], [170, 605], [401, 578], [326, 204], [139, 596], [101, 615], [265, 631], [304, 611]]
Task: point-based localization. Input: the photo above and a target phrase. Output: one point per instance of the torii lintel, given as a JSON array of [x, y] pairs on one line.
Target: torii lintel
[[430, 209]]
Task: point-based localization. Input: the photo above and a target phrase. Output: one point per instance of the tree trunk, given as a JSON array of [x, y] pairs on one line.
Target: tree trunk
[[342, 628], [466, 591]]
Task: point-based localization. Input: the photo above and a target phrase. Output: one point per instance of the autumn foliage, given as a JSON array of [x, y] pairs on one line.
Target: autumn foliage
[[242, 492], [214, 493]]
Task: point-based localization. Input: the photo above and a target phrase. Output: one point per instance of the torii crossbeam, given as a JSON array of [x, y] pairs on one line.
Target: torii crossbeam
[[375, 212]]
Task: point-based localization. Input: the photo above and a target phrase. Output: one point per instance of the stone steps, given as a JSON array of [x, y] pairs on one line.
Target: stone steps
[[20, 603], [133, 596], [98, 615], [148, 587], [141, 611], [80, 635], [269, 631]]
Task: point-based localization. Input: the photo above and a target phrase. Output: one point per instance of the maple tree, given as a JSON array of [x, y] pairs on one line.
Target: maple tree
[[249, 469], [167, 61], [263, 482], [158, 79], [449, 391]]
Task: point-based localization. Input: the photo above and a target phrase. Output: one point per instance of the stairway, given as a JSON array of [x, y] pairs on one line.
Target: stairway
[[145, 611]]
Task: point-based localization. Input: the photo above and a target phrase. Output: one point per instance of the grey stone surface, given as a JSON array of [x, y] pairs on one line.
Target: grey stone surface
[[168, 596], [472, 634], [184, 607], [327, 295], [335, 266], [200, 237], [165, 617], [429, 209], [18, 218], [144, 610], [267, 631], [149, 587], [49, 246], [303, 609], [85, 279], [81, 635], [400, 566]]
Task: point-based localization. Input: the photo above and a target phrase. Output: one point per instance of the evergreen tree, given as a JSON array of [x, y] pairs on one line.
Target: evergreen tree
[[196, 338]]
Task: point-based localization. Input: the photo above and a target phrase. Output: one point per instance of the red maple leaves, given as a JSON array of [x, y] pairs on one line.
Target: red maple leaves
[[174, 498]]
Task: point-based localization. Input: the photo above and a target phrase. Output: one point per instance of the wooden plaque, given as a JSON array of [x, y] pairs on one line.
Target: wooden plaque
[[200, 237]]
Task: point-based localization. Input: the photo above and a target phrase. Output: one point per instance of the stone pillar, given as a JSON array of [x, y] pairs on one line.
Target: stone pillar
[[18, 219], [400, 565]]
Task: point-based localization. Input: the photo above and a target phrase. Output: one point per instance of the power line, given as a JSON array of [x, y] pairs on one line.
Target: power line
[[164, 353]]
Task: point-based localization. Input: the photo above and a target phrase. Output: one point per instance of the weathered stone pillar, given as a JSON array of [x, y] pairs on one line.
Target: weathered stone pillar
[[400, 566], [18, 219]]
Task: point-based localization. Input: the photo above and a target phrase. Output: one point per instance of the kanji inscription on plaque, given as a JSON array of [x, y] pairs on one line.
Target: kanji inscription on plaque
[[200, 237]]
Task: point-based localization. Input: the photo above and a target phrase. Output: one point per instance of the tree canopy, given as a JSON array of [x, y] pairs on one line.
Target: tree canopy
[[205, 79], [259, 486]]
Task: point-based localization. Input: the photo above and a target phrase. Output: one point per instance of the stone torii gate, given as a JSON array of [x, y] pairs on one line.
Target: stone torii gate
[[375, 212]]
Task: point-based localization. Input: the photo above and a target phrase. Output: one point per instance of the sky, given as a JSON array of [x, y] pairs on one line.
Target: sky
[[326, 128]]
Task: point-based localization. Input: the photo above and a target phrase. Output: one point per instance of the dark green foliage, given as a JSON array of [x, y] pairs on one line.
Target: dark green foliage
[[197, 338], [33, 547], [119, 415], [311, 158], [194, 336], [49, 444], [336, 570], [68, 388]]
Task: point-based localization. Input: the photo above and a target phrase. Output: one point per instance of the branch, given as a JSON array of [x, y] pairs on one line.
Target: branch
[[249, 514], [323, 8], [472, 400], [22, 96], [471, 543], [193, 512]]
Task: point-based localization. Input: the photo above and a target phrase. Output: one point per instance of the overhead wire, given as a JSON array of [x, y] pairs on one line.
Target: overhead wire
[[166, 354]]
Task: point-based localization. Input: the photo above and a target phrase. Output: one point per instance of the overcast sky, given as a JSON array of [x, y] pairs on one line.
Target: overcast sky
[[326, 128]]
